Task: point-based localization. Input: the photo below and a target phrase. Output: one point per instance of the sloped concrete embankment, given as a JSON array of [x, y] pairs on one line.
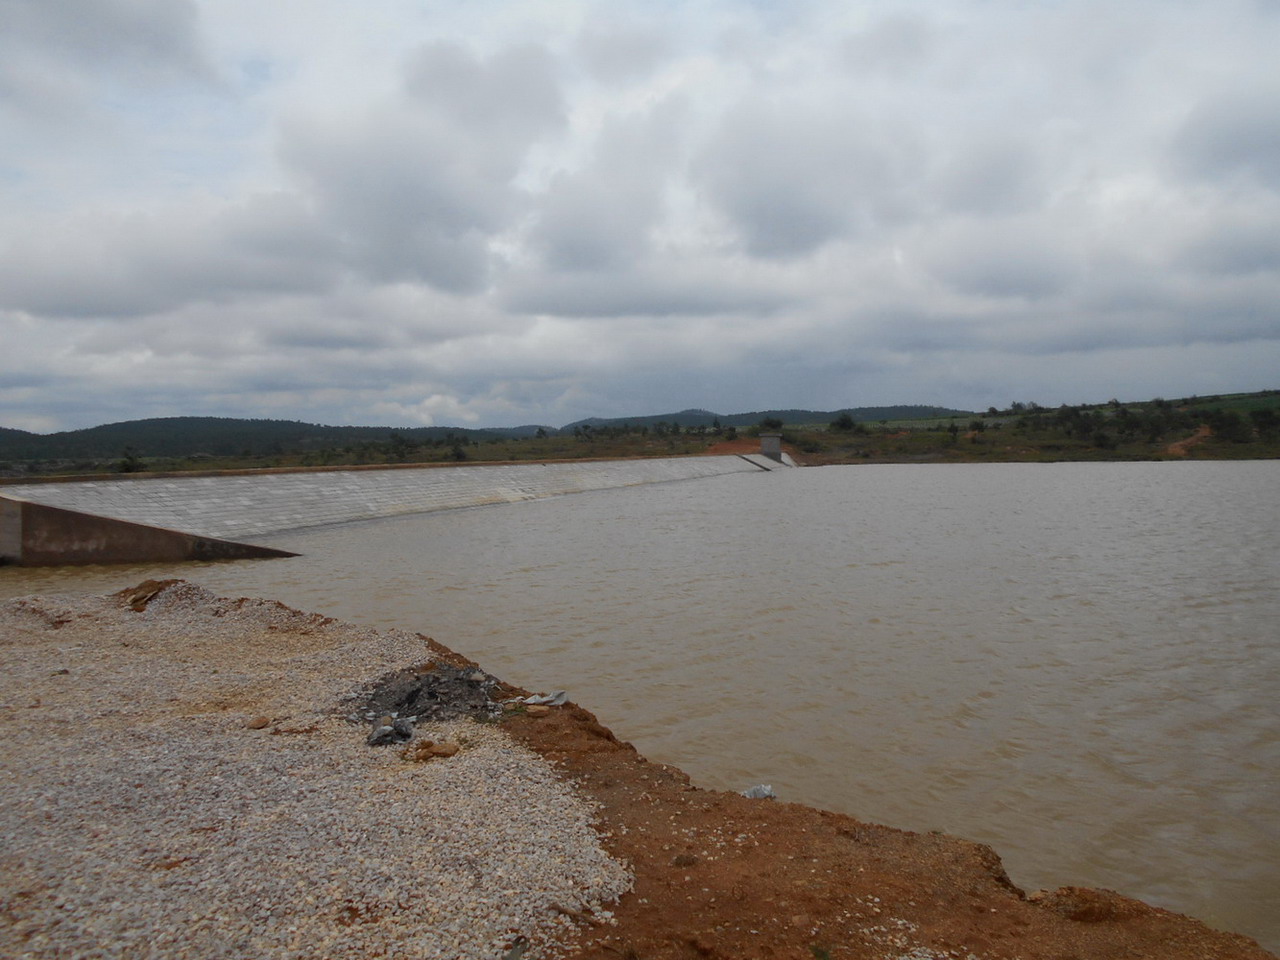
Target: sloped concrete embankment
[[203, 517]]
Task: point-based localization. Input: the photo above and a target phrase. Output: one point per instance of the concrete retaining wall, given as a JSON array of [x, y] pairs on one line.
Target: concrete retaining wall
[[39, 535], [247, 506]]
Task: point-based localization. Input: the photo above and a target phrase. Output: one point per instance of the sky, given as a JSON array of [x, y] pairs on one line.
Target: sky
[[482, 213]]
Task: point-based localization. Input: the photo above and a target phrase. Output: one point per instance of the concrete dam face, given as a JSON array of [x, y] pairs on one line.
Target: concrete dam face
[[211, 517]]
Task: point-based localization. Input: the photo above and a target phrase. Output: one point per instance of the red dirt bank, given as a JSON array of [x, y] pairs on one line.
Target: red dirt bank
[[721, 876]]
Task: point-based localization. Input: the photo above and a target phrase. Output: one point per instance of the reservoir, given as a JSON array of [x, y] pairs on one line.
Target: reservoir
[[1075, 663]]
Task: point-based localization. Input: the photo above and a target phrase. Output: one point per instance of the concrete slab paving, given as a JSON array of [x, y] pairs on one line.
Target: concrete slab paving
[[248, 506]]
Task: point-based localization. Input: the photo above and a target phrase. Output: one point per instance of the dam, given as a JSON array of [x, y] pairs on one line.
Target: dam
[[204, 517]]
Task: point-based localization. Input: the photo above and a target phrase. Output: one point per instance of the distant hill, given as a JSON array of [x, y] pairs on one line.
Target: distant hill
[[705, 418], [215, 436], [685, 418], [232, 437]]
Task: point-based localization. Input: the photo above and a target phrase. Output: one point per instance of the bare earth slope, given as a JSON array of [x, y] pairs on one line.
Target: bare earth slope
[[179, 778]]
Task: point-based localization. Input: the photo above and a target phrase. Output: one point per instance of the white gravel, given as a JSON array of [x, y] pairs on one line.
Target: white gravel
[[142, 818]]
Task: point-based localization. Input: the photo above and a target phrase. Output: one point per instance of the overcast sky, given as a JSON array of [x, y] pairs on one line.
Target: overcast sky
[[478, 213]]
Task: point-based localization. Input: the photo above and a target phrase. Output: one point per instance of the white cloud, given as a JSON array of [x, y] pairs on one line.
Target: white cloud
[[518, 212]]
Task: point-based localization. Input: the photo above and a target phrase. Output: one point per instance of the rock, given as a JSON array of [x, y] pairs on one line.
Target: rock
[[419, 752], [425, 750], [138, 597], [388, 729], [537, 710], [257, 723]]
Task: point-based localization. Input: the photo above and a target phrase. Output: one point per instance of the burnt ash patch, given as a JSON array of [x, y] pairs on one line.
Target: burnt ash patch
[[434, 691]]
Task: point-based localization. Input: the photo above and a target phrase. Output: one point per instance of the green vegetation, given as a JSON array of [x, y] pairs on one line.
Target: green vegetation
[[187, 444], [1233, 426]]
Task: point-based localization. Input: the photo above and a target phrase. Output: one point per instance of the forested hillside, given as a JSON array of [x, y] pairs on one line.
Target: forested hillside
[[209, 436]]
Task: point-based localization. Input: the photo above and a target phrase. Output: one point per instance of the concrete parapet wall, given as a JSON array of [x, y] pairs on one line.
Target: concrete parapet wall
[[247, 506]]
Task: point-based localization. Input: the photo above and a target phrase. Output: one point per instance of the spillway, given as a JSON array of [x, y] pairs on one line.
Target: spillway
[[143, 518]]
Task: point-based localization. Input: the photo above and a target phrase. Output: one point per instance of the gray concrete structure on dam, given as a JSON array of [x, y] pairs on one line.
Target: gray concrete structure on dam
[[768, 462], [249, 506]]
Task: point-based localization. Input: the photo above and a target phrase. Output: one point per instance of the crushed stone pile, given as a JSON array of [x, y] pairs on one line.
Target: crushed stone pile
[[180, 776]]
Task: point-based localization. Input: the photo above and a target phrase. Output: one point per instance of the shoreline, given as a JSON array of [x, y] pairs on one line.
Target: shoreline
[[711, 874]]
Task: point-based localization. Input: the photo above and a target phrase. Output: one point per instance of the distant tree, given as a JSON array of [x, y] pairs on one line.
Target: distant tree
[[1126, 423], [1229, 425], [771, 423], [1266, 422], [398, 448], [130, 462], [541, 434], [844, 423]]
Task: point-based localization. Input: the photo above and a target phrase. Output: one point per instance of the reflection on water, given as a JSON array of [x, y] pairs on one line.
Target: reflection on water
[[1074, 662]]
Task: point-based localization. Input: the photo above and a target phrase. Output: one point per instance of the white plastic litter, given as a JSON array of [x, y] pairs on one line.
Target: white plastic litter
[[551, 699]]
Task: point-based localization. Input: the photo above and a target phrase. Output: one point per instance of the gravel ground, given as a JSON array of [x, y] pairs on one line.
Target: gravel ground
[[142, 817]]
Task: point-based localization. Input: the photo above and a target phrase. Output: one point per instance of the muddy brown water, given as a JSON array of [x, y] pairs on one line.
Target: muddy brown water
[[1076, 663]]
